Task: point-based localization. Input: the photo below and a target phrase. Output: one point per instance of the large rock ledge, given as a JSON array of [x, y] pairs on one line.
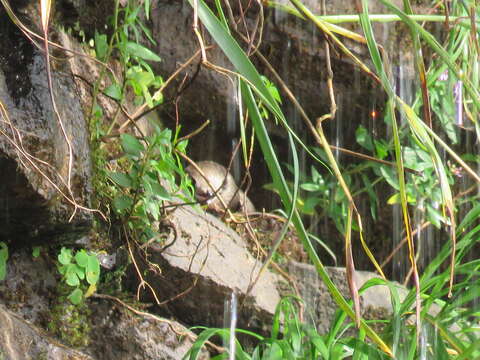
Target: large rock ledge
[[205, 265]]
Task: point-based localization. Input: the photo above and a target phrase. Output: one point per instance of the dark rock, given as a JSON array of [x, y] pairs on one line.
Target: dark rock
[[319, 304], [21, 340], [114, 333], [34, 154], [121, 335]]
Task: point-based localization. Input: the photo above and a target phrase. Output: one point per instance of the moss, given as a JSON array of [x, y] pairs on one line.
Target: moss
[[70, 323], [42, 356]]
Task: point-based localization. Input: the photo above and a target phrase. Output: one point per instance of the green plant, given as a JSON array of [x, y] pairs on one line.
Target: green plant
[[36, 251], [252, 88], [3, 260], [147, 173], [414, 144], [70, 322], [148, 179], [291, 339], [77, 271], [134, 57]]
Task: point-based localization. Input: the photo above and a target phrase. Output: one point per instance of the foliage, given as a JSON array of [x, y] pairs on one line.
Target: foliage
[[149, 171], [252, 86], [133, 56], [448, 326], [419, 175], [149, 178], [3, 260], [291, 339], [320, 190], [78, 270], [146, 174], [70, 322]]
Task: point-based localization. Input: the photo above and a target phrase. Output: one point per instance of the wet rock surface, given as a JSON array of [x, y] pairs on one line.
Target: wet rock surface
[[319, 304], [121, 335], [205, 264], [21, 340], [27, 307], [35, 154]]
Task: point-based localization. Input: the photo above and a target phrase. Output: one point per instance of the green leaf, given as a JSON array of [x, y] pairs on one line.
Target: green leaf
[[65, 256], [122, 202], [79, 271], [309, 205], [3, 251], [274, 352], [390, 176], [311, 187], [141, 51], [381, 148], [153, 208], [3, 260], [81, 257], [93, 270], [363, 138], [435, 216], [35, 251], [121, 179], [101, 46], [142, 79], [91, 290], [131, 145], [317, 177], [132, 15], [72, 269], [394, 199], [114, 91], [72, 279], [76, 296], [3, 271]]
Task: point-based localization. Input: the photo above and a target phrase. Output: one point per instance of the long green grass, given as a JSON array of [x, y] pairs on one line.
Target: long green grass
[[435, 320]]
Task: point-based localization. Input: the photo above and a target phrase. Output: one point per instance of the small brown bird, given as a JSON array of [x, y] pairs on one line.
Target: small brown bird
[[221, 185]]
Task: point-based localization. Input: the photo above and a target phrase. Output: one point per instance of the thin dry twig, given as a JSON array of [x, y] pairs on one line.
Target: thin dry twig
[[57, 114], [143, 283]]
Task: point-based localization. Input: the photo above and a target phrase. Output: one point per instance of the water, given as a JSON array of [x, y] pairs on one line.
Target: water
[[230, 316], [358, 104]]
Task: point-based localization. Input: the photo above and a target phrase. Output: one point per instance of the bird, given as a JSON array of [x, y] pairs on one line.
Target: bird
[[220, 184]]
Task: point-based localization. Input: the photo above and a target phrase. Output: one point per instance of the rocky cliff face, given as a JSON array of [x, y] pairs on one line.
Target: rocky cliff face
[[46, 192]]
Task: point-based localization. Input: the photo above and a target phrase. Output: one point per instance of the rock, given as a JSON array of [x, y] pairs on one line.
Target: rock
[[121, 335], [220, 187], [114, 332], [34, 153], [289, 43], [200, 270], [22, 340], [320, 306]]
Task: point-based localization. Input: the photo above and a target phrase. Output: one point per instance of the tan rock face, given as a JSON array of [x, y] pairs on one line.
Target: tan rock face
[[216, 187]]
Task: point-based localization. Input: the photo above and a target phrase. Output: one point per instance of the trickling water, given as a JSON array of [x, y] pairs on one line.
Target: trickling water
[[230, 319], [459, 102]]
